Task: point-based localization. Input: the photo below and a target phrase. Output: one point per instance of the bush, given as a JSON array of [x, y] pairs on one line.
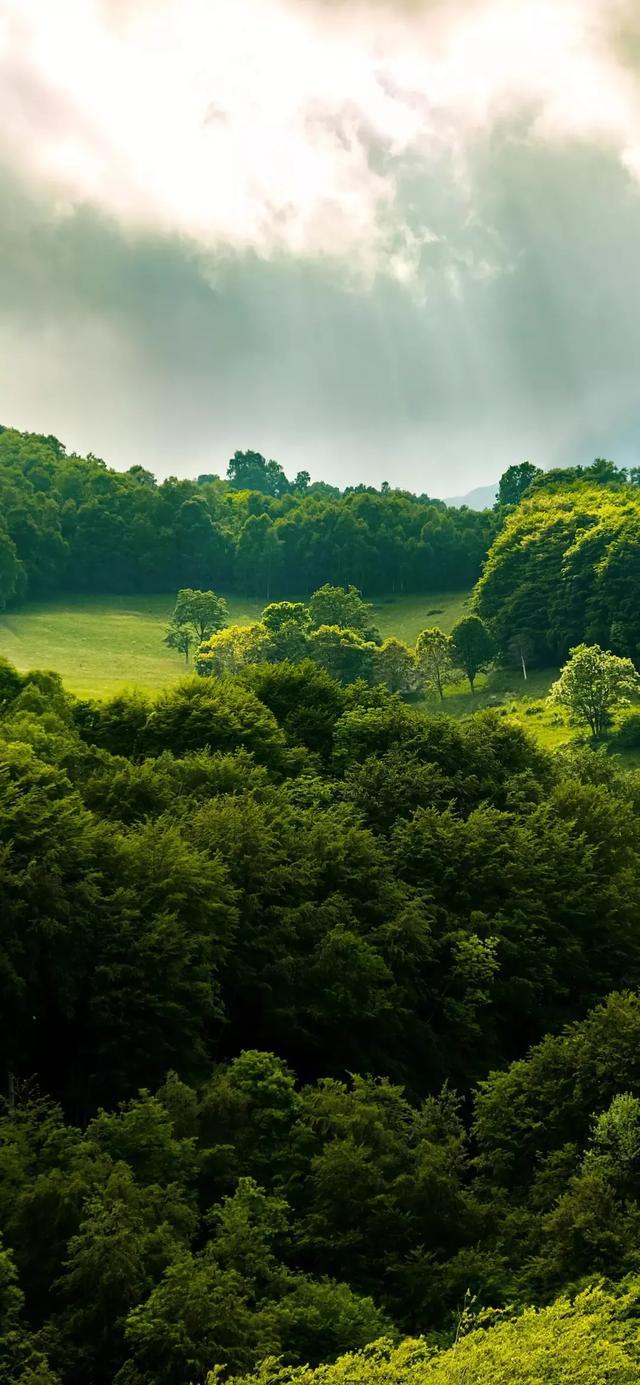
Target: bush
[[627, 736]]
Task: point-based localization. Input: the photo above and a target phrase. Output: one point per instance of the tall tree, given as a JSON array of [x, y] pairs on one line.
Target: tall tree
[[435, 655], [473, 646], [396, 666], [515, 482], [201, 613], [342, 606]]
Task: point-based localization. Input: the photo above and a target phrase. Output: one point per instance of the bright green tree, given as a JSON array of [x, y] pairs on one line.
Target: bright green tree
[[280, 613], [435, 656], [229, 651], [587, 1341], [592, 684], [344, 653], [396, 666], [342, 606]]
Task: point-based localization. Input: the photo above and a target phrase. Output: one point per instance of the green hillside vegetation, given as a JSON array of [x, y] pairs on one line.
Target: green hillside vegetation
[[319, 961], [587, 1341], [320, 1019], [103, 645], [565, 569], [71, 524], [99, 644]]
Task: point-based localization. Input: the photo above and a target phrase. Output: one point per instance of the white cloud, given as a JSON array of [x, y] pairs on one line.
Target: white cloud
[[281, 125]]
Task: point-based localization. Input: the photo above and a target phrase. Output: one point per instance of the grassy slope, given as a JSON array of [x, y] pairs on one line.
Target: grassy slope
[[506, 687], [102, 644], [99, 644]]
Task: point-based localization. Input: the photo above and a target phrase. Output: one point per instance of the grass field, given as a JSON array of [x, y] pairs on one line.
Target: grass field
[[102, 643]]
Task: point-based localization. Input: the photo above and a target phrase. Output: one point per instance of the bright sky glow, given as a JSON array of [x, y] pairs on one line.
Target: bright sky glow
[[270, 125]]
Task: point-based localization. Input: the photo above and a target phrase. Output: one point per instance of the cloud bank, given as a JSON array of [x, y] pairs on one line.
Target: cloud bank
[[384, 235], [278, 126]]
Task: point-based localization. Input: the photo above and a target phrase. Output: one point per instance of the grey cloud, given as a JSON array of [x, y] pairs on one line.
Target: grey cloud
[[520, 338]]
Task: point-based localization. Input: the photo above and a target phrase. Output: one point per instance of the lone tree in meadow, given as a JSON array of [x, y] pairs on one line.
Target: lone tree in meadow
[[435, 656], [592, 684], [473, 647], [196, 617]]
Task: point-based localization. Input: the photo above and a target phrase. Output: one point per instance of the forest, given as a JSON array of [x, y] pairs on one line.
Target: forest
[[72, 524], [320, 1035]]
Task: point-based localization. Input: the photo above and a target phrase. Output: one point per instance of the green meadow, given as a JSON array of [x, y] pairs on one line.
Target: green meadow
[[99, 644]]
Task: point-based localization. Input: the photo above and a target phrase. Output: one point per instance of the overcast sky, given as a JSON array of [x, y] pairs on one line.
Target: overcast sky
[[375, 241]]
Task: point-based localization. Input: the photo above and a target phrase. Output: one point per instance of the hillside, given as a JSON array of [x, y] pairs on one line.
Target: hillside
[[565, 568], [302, 1027], [101, 643], [72, 525], [320, 966]]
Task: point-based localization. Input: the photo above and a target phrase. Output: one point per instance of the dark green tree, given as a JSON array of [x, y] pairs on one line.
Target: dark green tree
[[473, 647], [200, 613], [515, 482]]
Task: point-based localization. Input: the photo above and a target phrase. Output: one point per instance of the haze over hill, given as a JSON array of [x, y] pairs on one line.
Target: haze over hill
[[481, 498]]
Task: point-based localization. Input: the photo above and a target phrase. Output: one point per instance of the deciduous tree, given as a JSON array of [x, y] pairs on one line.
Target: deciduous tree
[[435, 656], [473, 647], [592, 684]]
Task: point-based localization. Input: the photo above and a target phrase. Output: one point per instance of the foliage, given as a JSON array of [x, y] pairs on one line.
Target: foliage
[[201, 613], [342, 607], [345, 654], [313, 1033], [283, 613], [472, 646], [570, 1343], [435, 657], [592, 684], [72, 524], [231, 650], [180, 637], [564, 569], [516, 482], [395, 665]]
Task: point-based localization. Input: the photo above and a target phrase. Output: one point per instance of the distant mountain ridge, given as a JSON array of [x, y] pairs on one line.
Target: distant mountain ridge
[[482, 498]]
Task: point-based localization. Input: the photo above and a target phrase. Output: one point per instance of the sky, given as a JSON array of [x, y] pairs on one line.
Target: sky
[[377, 241]]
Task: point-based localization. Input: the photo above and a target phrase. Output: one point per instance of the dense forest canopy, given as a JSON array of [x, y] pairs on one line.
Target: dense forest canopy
[[70, 523], [320, 1013], [320, 1018], [566, 568]]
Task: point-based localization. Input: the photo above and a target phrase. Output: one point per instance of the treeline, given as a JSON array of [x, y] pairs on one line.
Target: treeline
[[287, 970], [71, 524], [556, 563], [334, 630]]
